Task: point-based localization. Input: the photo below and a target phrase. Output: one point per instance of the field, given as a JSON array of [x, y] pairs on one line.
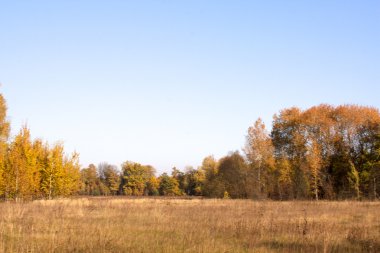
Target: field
[[188, 225]]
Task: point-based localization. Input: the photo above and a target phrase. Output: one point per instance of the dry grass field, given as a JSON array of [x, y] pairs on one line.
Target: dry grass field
[[188, 225]]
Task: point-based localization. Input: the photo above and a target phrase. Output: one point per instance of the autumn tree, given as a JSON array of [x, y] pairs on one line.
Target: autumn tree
[[181, 179], [195, 180], [210, 170], [284, 178], [168, 186], [328, 149], [110, 176], [31, 169], [71, 175], [370, 174], [314, 162], [153, 186], [135, 178], [288, 137], [60, 175], [4, 134], [35, 170], [41, 151], [21, 173], [260, 153], [209, 166], [92, 183], [232, 174]]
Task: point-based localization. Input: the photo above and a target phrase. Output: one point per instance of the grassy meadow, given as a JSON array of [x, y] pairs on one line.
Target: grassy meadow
[[188, 225]]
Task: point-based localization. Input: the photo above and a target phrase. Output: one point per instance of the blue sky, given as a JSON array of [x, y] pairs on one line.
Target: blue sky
[[167, 83]]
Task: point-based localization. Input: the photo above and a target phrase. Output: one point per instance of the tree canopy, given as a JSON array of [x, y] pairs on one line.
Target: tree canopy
[[323, 152]]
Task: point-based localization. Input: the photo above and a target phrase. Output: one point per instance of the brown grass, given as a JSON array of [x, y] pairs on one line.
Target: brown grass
[[179, 225]]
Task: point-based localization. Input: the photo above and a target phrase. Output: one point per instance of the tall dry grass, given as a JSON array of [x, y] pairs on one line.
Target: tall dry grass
[[178, 225]]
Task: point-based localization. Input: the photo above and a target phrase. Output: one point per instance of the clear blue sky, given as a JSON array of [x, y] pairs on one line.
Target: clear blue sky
[[167, 83]]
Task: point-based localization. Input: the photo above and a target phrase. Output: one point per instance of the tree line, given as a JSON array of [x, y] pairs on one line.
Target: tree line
[[324, 152], [31, 169]]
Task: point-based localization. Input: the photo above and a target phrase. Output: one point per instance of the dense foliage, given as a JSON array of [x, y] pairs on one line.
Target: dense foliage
[[33, 169], [324, 152]]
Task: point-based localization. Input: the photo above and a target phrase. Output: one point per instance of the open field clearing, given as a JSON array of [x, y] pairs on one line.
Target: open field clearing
[[193, 225]]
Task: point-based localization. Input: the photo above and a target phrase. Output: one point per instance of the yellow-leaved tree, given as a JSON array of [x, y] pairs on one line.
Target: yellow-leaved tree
[[4, 134], [31, 169], [60, 175], [21, 171]]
